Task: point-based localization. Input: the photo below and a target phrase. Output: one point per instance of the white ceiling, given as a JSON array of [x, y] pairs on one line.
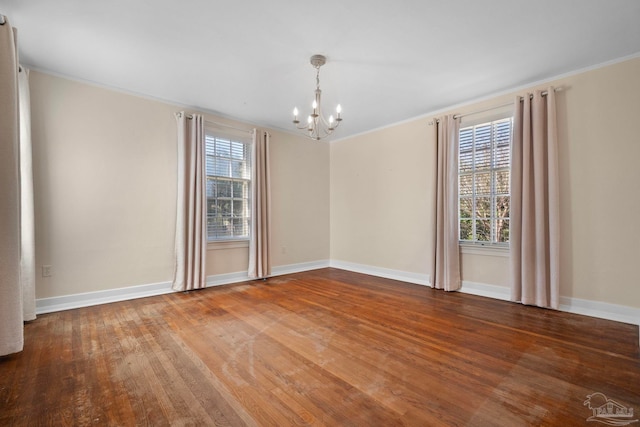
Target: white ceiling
[[388, 60]]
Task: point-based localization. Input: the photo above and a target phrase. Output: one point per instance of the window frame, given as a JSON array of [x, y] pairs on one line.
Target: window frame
[[228, 242], [490, 247]]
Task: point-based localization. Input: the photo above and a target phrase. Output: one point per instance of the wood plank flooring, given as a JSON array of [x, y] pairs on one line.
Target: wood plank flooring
[[325, 347]]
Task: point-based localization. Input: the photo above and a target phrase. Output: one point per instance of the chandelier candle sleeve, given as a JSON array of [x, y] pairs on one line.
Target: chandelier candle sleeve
[[318, 126]]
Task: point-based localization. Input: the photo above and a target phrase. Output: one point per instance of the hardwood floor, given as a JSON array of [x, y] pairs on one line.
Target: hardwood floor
[[325, 347]]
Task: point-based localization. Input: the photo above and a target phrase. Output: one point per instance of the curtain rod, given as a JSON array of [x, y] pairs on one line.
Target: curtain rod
[[457, 116], [189, 116]]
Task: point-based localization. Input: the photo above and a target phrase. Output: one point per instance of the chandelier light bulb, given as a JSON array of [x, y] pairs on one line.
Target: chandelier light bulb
[[295, 111], [338, 109]]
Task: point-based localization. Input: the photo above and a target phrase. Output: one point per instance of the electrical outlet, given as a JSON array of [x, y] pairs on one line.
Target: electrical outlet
[[46, 271]]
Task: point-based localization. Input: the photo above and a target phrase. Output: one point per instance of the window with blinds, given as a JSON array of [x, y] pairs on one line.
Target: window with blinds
[[228, 171], [484, 174]]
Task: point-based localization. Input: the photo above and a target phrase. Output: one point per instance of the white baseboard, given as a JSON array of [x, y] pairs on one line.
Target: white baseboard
[[241, 276], [485, 290], [603, 310], [387, 273], [298, 268], [87, 299], [227, 278]]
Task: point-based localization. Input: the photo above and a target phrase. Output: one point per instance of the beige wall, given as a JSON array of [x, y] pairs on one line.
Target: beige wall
[[105, 191], [382, 191], [380, 198], [300, 199]]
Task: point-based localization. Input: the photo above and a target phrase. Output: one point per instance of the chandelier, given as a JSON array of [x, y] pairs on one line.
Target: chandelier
[[317, 126]]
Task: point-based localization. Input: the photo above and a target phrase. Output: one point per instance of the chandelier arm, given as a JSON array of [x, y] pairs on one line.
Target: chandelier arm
[[316, 135]]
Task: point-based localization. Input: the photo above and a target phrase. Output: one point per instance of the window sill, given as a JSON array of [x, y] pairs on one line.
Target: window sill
[[227, 244], [484, 249]]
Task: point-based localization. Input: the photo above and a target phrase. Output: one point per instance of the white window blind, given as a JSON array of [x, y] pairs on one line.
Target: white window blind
[[484, 175], [228, 171]]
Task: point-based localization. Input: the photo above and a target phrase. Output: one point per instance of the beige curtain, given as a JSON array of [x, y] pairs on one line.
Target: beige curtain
[[446, 271], [11, 316], [191, 215], [27, 225], [259, 244], [534, 234]]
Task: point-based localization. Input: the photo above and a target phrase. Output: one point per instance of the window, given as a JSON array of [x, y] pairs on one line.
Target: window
[[484, 173], [228, 187]]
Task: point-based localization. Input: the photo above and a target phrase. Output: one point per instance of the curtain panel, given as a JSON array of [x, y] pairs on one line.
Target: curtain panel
[[446, 269], [11, 316], [191, 214], [260, 241], [535, 216], [27, 223]]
